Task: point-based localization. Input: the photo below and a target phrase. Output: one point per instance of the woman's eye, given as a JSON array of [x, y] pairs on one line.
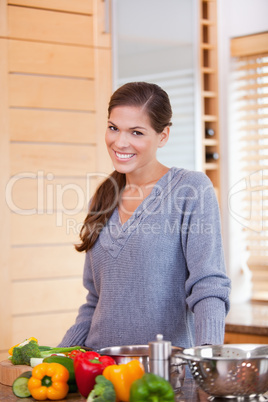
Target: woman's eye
[[112, 128], [137, 133]]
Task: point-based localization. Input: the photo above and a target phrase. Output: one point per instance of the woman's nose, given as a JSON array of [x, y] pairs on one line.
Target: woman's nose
[[121, 140]]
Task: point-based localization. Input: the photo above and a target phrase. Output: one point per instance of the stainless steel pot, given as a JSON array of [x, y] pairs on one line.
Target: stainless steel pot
[[237, 370], [124, 354]]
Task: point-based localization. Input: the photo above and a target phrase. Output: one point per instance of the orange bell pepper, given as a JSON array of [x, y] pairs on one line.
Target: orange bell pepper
[[49, 381], [122, 376]]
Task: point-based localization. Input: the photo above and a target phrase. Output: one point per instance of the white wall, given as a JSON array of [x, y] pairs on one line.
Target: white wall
[[155, 41], [150, 34], [246, 16], [235, 18]]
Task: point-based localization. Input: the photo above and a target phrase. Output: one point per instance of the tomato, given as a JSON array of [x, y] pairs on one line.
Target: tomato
[[74, 353]]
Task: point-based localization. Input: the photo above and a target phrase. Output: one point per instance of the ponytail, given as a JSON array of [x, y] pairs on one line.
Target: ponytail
[[102, 206]]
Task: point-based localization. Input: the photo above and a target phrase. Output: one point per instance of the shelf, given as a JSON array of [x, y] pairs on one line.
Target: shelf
[[211, 166], [207, 46], [208, 117], [208, 70], [209, 94], [210, 142], [206, 22]]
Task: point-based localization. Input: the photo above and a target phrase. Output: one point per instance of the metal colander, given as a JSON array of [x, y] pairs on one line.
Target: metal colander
[[229, 370]]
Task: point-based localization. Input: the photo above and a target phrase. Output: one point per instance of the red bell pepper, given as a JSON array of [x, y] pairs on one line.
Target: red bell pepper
[[87, 366]]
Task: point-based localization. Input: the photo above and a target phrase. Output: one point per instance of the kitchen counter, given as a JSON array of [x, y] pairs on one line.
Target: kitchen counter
[[189, 392], [248, 318]]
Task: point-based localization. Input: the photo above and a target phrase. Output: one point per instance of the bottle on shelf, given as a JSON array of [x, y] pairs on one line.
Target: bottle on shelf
[[210, 132], [212, 156]]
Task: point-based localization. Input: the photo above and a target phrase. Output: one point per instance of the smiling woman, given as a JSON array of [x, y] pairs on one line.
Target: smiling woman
[[151, 264], [133, 153], [139, 120], [126, 144]]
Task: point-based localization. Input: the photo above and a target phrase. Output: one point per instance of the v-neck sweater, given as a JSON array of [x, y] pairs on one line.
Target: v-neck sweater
[[162, 271]]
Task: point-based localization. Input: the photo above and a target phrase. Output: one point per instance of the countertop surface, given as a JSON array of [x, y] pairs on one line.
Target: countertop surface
[[188, 392], [248, 318]]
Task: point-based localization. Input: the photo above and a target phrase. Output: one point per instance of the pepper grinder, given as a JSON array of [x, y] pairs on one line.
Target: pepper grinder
[[159, 357]]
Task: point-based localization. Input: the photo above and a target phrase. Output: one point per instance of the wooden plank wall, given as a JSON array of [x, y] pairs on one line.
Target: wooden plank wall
[[55, 71], [5, 282]]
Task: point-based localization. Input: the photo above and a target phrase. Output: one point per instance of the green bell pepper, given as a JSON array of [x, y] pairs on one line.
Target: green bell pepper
[[151, 388]]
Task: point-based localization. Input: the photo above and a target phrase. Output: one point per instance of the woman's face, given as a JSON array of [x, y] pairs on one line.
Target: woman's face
[[131, 141]]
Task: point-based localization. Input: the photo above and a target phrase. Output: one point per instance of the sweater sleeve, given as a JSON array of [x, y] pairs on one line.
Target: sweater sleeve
[[207, 286], [77, 333]]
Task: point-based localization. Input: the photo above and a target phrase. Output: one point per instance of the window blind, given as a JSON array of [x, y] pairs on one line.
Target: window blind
[[250, 79]]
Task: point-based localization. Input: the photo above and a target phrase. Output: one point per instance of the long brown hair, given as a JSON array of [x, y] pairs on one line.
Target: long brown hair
[[155, 102]]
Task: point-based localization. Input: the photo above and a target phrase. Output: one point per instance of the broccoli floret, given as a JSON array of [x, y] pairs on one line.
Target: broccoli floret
[[23, 354], [17, 357], [103, 391]]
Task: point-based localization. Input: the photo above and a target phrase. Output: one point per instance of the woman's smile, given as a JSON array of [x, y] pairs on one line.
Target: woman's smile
[[123, 156], [131, 141]]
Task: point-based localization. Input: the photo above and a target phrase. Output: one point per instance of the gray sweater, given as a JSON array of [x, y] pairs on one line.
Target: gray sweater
[[162, 271]]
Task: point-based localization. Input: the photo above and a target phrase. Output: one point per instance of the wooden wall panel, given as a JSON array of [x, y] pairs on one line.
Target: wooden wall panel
[[3, 23], [50, 26], [38, 297], [102, 25], [5, 283], [58, 159], [40, 326], [37, 125], [77, 6], [46, 228], [55, 92], [47, 193], [51, 92], [51, 59], [46, 262]]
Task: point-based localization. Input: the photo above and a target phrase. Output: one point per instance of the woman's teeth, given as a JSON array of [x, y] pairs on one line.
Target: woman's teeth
[[124, 156]]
